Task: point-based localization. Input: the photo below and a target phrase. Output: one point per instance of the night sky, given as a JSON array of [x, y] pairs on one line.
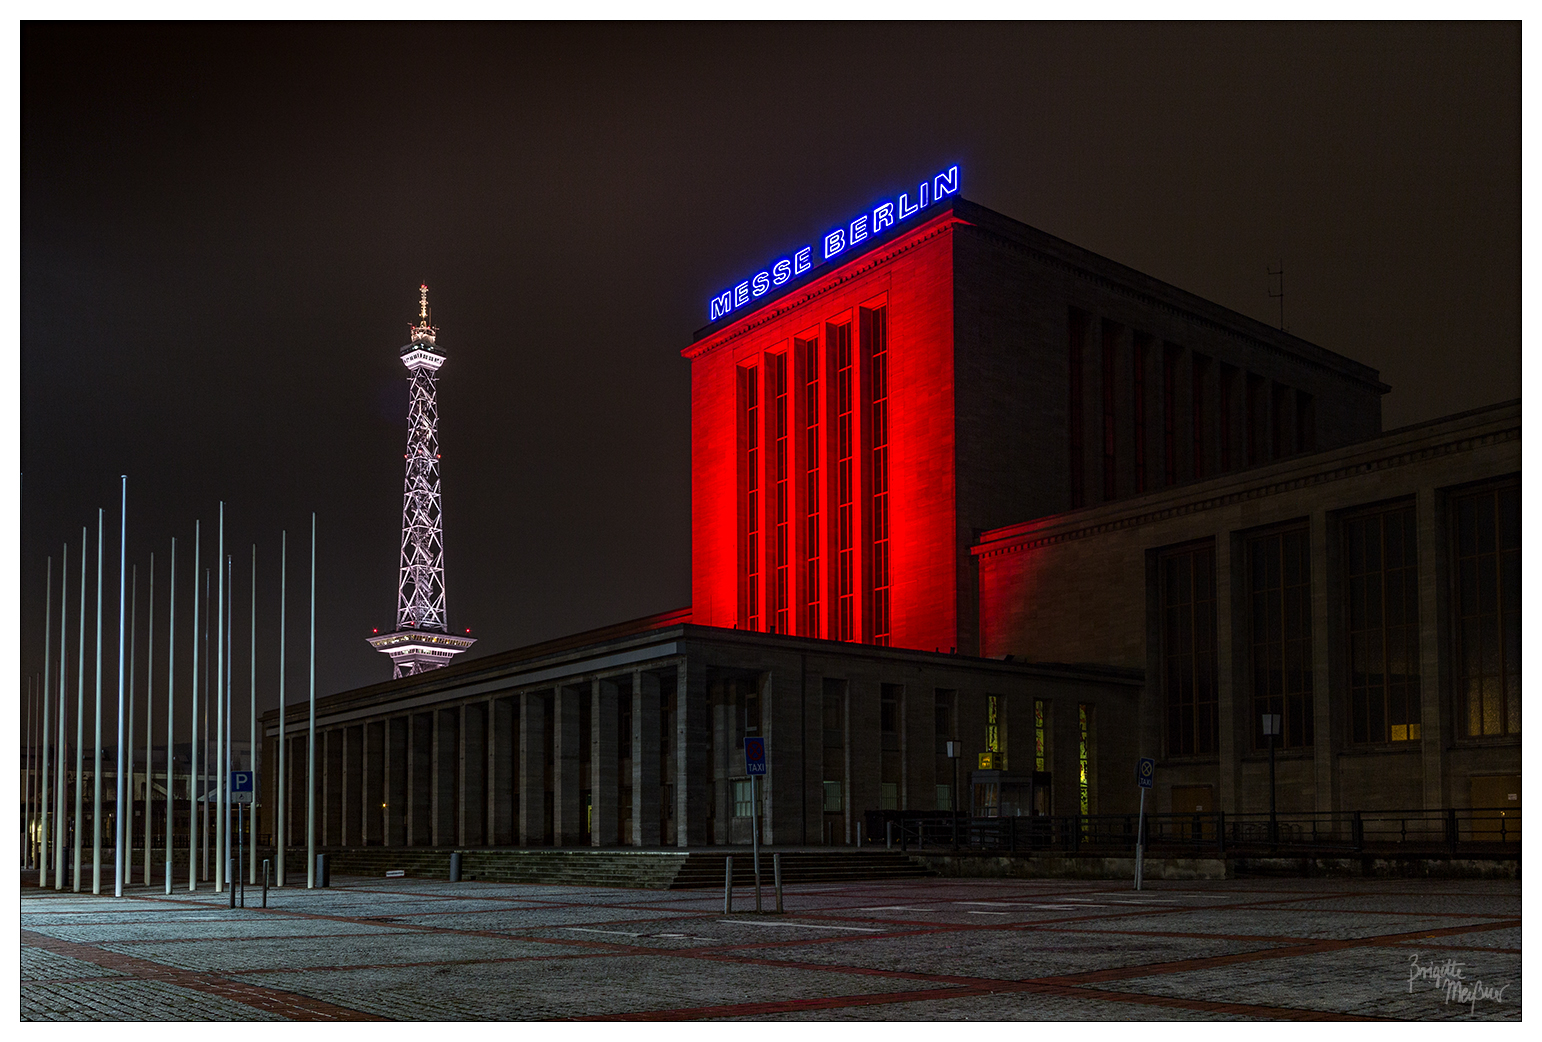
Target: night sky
[[223, 230]]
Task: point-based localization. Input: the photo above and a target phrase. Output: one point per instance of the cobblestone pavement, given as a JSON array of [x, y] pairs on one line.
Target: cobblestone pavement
[[410, 949]]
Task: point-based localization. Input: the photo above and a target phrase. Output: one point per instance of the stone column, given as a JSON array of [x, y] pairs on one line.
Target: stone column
[[324, 762], [645, 760], [567, 801], [605, 764], [473, 767], [1325, 739], [692, 772], [436, 790], [502, 762], [1231, 656], [345, 791], [1433, 686], [532, 769]]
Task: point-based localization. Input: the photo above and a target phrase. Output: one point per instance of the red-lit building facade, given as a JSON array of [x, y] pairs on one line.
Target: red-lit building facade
[[851, 438], [967, 482]]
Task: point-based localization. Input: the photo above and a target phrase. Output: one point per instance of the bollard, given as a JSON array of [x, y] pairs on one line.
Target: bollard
[[859, 835], [888, 836], [455, 866], [776, 875], [323, 878], [265, 864], [728, 884]]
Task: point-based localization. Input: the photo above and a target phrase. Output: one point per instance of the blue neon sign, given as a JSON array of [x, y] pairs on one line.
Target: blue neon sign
[[866, 225]]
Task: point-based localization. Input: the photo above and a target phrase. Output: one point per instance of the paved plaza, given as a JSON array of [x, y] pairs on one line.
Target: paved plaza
[[974, 949]]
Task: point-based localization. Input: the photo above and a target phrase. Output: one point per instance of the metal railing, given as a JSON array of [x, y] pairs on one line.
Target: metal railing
[[1478, 831]]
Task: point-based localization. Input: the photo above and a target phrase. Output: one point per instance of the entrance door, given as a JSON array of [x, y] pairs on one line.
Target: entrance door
[[1198, 800], [1500, 797]]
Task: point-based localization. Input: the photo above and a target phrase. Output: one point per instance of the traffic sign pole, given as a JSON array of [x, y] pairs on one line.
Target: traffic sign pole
[[1145, 775], [755, 766], [1140, 835]]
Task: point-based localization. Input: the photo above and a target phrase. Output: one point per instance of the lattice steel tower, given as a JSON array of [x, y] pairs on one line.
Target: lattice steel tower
[[422, 640]]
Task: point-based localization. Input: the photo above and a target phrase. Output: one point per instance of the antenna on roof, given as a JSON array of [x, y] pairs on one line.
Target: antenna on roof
[[1280, 296]]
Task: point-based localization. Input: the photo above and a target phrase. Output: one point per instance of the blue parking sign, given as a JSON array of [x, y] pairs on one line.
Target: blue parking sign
[[243, 786], [754, 756]]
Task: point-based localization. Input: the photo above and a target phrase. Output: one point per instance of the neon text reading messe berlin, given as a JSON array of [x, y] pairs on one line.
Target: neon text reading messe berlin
[[869, 224]]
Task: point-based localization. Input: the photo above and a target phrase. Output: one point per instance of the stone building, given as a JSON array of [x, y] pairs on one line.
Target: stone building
[[966, 482]]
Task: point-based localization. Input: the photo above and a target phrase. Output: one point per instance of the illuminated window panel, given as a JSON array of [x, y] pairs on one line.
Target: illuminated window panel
[[749, 507], [878, 344], [845, 506], [813, 586], [781, 621], [1083, 758], [1038, 734]]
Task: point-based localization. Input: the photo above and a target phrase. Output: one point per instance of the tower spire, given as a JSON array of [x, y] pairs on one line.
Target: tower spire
[[422, 640]]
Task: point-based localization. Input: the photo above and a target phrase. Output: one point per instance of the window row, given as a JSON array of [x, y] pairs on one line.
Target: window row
[[1160, 414], [1378, 619], [813, 483]]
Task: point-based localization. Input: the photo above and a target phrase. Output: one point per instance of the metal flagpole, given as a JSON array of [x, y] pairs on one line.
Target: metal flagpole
[[310, 743], [219, 719], [26, 812], [64, 599], [251, 730], [80, 722], [232, 866], [48, 648], [171, 673], [192, 734], [122, 812], [96, 753], [150, 715], [208, 760], [127, 817], [283, 777]]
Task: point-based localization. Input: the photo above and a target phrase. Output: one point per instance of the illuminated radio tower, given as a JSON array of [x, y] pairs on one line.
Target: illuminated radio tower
[[422, 640]]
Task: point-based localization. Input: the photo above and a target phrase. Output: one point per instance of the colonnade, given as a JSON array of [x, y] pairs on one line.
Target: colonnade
[[607, 759]]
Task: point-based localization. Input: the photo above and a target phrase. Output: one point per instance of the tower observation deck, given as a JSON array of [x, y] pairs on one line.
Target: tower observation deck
[[422, 640]]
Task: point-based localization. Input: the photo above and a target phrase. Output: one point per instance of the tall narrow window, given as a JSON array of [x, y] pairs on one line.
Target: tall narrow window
[[878, 354], [1280, 569], [1487, 573], [1381, 586], [1253, 393], [1038, 734], [1279, 430], [1228, 385], [1084, 758], [1187, 591], [1169, 414], [749, 504], [1138, 394], [1110, 457], [813, 587], [1201, 369], [1306, 423], [781, 613], [845, 506], [1078, 344], [995, 731]]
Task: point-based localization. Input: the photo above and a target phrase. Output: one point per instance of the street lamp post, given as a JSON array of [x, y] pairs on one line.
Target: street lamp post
[[1271, 723]]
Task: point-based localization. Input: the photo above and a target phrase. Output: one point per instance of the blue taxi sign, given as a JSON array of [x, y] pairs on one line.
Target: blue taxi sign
[[754, 756], [1145, 772]]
